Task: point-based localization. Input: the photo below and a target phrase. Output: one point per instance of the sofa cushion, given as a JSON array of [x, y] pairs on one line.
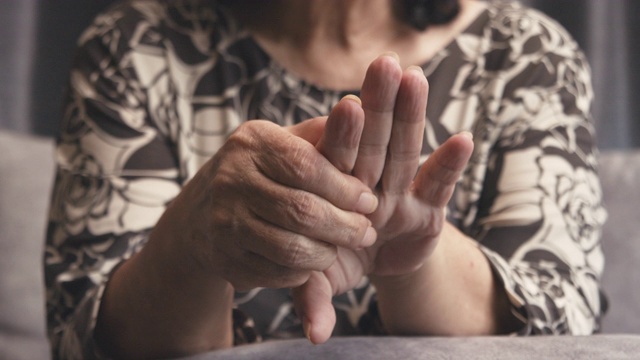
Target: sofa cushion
[[26, 174], [410, 348], [620, 174]]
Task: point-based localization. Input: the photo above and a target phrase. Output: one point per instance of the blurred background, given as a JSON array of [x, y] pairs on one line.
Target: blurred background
[[37, 39]]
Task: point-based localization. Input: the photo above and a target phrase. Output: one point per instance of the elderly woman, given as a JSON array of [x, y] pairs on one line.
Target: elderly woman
[[179, 226]]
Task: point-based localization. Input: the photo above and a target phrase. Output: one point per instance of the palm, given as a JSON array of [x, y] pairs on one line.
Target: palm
[[407, 230]]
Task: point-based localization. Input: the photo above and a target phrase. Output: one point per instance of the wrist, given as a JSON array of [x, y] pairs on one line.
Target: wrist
[[392, 288], [431, 264], [161, 302], [170, 252], [419, 302]]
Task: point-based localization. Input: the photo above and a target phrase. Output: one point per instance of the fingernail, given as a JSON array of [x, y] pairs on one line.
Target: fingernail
[[416, 68], [367, 203], [467, 134], [353, 98], [369, 237], [307, 329], [392, 54]]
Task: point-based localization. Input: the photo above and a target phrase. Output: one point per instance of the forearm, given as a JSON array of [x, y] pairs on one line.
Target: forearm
[[453, 293], [158, 308]]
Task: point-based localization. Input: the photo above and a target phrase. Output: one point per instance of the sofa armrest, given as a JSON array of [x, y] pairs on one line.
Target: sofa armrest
[[26, 174]]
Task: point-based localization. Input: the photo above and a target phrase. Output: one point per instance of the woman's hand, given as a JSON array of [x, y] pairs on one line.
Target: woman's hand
[[269, 208], [266, 211], [411, 210]]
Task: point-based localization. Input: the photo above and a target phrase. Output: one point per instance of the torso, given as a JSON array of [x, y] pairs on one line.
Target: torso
[[194, 75]]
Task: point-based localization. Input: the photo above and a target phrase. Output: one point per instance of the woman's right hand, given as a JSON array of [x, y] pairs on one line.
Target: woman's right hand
[[268, 208]]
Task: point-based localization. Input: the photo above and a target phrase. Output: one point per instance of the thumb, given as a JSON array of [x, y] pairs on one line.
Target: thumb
[[312, 302], [310, 130], [438, 176], [341, 137]]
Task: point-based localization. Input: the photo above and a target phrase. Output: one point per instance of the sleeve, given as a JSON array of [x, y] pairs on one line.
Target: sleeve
[[116, 172], [541, 211]]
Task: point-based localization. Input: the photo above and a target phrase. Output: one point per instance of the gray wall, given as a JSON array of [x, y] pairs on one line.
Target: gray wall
[[17, 42], [37, 39]]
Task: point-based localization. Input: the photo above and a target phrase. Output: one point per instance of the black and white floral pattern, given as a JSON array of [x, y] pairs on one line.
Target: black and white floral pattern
[[157, 86]]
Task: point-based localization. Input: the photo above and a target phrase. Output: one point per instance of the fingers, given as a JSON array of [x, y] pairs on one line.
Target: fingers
[[295, 163], [379, 92], [286, 248], [407, 133], [437, 178], [306, 214], [394, 104], [339, 143], [310, 130], [275, 196], [313, 305]]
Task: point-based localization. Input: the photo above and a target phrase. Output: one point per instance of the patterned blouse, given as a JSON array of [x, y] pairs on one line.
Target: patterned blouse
[[157, 86]]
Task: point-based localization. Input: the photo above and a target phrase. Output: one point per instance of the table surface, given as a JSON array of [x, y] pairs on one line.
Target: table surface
[[407, 348]]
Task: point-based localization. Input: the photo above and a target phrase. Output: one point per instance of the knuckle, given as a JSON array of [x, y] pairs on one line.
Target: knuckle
[[251, 129], [252, 135], [353, 234], [344, 165], [224, 181], [280, 156], [378, 150], [243, 136], [295, 254], [303, 210], [302, 255], [352, 229], [300, 162], [402, 154], [324, 259], [347, 190]]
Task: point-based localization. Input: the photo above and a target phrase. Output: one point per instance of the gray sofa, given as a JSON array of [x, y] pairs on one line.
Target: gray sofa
[[26, 172]]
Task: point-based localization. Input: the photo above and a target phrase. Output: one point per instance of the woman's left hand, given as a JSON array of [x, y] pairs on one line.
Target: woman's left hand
[[411, 200]]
